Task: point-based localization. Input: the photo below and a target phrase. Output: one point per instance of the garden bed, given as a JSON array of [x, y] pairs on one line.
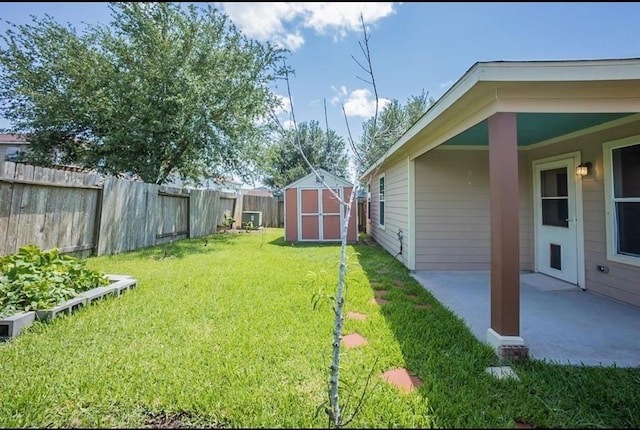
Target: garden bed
[[15, 324]]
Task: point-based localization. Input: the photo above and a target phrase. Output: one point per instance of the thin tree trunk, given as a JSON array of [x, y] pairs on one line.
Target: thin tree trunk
[[336, 413]]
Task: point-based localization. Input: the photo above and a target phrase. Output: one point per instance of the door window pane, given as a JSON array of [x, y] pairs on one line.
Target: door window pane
[[555, 212], [554, 183], [555, 197]]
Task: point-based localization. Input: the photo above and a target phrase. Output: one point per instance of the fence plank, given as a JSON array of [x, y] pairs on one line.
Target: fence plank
[[39, 205], [52, 211], [14, 219], [152, 217], [6, 199]]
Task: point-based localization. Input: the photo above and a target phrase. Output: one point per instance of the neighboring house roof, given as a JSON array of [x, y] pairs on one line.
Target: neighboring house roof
[[497, 86], [13, 139], [262, 192], [329, 178]]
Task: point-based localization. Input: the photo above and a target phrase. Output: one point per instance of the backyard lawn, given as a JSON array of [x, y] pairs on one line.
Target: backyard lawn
[[235, 331]]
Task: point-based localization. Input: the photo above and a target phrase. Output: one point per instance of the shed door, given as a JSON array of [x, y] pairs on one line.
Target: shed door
[[309, 214], [330, 215], [320, 215]]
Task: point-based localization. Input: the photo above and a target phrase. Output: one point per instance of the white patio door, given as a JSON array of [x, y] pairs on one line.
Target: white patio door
[[556, 219]]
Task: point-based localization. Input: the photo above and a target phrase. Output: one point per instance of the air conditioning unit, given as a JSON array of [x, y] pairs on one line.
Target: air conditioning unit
[[254, 217]]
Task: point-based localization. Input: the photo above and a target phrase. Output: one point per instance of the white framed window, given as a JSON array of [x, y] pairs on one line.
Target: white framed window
[[381, 199], [622, 199], [13, 152]]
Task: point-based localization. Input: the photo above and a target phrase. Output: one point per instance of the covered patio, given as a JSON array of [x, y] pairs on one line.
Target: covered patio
[[561, 323]]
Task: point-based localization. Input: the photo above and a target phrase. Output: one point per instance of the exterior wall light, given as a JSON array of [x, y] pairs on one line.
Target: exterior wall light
[[583, 169]]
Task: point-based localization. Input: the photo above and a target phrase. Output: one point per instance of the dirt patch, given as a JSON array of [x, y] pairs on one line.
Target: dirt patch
[[181, 420]]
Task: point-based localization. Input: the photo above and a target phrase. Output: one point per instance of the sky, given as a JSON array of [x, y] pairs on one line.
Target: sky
[[414, 47]]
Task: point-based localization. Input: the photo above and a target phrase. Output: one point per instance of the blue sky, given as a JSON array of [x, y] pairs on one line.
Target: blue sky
[[414, 46]]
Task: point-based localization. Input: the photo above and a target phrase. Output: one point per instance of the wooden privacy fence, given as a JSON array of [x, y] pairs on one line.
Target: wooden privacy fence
[[90, 214]]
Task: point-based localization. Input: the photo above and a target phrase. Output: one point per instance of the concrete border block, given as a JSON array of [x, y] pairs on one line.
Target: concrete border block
[[124, 285], [65, 308], [13, 325], [97, 294]]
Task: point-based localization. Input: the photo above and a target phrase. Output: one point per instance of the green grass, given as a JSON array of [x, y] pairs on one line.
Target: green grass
[[226, 335]]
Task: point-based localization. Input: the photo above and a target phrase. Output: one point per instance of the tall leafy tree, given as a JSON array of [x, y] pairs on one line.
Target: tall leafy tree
[[164, 90], [393, 121], [324, 149]]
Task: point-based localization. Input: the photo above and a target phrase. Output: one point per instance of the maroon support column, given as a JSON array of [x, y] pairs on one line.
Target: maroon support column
[[505, 242]]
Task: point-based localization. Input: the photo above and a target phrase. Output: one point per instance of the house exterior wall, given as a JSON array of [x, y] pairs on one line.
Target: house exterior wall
[[396, 210], [622, 282], [453, 212]]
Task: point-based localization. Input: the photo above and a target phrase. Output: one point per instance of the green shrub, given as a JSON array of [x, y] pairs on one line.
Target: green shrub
[[34, 279]]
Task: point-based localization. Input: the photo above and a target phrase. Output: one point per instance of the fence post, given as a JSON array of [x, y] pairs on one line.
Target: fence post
[[98, 219]]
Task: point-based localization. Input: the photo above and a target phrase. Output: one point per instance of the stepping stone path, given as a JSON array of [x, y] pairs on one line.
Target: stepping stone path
[[412, 296], [356, 316], [422, 306], [379, 301], [353, 340], [402, 379]]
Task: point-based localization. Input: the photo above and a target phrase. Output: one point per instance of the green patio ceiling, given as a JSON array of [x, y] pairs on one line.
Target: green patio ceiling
[[537, 127]]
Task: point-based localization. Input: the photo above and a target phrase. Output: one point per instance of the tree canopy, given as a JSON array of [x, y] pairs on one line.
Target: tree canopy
[[164, 90], [392, 122], [285, 164]]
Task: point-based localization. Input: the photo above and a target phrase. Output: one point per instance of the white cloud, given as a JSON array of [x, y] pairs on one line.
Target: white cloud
[[285, 105], [271, 21], [288, 125], [362, 103]]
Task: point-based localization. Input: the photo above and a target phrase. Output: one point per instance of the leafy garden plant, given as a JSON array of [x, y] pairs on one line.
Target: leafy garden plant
[[35, 279]]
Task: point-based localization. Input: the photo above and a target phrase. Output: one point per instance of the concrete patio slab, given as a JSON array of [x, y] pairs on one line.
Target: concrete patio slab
[[559, 322]]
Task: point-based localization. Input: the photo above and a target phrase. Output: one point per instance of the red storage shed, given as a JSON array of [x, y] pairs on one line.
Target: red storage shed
[[313, 214]]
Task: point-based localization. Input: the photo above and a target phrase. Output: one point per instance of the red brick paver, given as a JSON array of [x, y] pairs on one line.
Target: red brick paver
[[356, 316], [353, 340], [379, 301], [401, 378]]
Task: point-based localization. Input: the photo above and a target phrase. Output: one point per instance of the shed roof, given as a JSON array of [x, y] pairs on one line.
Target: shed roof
[[311, 180]]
